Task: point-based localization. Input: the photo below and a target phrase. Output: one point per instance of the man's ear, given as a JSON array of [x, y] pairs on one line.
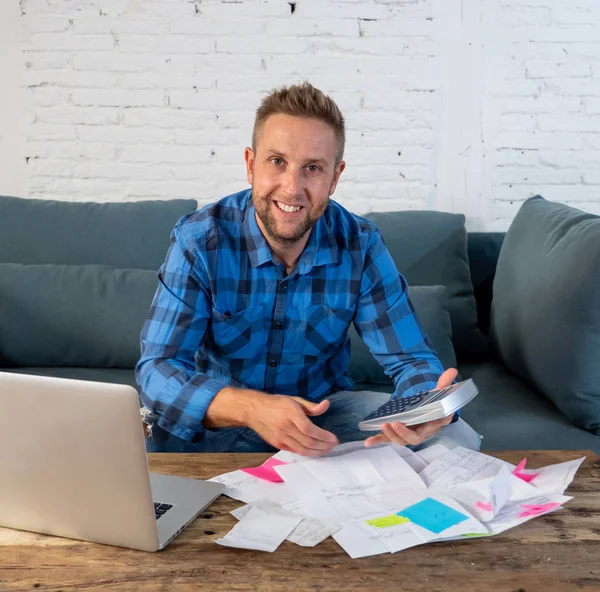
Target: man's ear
[[336, 176], [250, 161]]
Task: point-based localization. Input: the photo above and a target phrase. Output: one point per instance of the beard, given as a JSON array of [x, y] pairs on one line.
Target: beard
[[263, 211]]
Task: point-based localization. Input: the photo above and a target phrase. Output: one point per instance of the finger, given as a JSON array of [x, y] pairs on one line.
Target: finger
[[447, 378], [311, 409], [431, 427], [392, 436], [403, 433], [307, 429], [424, 431], [294, 445], [378, 439]]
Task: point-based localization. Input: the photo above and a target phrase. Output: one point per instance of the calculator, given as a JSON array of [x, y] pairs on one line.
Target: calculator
[[422, 407]]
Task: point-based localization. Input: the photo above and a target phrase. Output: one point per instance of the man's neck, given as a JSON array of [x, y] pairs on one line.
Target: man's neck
[[288, 254], [283, 251]]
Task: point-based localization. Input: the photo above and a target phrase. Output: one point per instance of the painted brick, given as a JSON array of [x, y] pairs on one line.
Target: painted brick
[[131, 99]]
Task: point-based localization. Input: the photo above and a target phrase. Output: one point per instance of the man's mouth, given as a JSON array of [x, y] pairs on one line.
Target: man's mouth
[[288, 209]]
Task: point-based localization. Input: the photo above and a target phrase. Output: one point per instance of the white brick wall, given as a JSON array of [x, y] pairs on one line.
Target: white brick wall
[[11, 98], [459, 105]]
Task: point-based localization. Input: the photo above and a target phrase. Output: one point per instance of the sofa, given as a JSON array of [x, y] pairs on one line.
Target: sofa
[[77, 281]]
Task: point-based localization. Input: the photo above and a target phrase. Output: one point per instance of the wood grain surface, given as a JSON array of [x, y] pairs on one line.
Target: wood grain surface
[[560, 551]]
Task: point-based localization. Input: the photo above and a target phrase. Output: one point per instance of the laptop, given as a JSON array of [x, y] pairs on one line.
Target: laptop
[[73, 464]]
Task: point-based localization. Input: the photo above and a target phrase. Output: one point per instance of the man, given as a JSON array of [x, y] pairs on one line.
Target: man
[[246, 345]]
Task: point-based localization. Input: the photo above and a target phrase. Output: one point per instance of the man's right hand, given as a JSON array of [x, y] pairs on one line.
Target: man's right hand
[[284, 422]]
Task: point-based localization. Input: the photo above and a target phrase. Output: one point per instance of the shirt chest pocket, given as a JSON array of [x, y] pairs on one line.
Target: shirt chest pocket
[[238, 335], [324, 329]]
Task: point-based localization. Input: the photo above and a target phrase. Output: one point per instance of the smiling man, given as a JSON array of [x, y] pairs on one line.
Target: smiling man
[[246, 347]]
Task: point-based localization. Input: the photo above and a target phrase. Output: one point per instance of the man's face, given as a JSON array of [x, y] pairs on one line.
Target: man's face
[[292, 173]]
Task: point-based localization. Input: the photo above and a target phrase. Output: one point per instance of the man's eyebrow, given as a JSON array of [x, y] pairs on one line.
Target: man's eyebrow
[[273, 152]]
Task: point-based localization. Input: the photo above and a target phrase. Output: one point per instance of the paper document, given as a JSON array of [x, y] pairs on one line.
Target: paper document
[[411, 458], [556, 478], [307, 534], [484, 498], [338, 489], [386, 498], [458, 466], [515, 513], [430, 453], [247, 488], [260, 531]]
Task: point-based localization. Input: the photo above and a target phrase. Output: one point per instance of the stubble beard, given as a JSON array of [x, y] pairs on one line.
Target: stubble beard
[[270, 224]]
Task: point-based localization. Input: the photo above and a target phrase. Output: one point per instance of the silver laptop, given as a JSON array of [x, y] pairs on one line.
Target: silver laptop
[[73, 464]]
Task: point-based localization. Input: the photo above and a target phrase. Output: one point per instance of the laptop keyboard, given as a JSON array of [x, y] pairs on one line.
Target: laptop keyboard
[[160, 509]]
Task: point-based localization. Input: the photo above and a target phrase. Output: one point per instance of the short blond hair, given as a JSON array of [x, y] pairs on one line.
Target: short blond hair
[[302, 100]]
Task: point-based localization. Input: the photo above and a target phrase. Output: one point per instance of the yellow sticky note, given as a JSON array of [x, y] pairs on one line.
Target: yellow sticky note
[[386, 521]]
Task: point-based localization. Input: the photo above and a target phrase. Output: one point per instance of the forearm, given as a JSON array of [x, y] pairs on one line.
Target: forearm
[[232, 407], [415, 373], [174, 391]]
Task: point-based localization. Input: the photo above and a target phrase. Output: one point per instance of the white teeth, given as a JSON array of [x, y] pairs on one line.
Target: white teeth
[[288, 209]]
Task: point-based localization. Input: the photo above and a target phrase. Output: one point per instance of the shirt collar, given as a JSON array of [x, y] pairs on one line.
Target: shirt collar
[[321, 247], [256, 244]]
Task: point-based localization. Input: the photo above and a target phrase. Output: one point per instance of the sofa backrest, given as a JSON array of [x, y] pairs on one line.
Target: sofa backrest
[[125, 235], [483, 249], [77, 279]]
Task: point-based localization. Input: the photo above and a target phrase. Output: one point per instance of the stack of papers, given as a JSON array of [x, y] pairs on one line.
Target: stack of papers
[[387, 498]]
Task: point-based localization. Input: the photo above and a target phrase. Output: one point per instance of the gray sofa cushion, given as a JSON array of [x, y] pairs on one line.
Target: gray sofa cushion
[[546, 306], [128, 235], [430, 248], [431, 305], [511, 415], [69, 315]]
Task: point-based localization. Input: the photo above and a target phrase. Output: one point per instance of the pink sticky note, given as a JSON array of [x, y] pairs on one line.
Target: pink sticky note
[[535, 510], [266, 471], [527, 477], [520, 466], [485, 506]]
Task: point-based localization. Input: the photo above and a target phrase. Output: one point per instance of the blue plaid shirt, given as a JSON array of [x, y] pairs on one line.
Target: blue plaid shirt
[[226, 314]]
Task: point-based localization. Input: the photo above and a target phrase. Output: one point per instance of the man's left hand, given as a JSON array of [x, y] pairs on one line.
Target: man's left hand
[[402, 435]]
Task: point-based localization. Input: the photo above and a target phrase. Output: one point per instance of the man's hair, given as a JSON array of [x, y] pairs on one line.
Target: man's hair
[[302, 100]]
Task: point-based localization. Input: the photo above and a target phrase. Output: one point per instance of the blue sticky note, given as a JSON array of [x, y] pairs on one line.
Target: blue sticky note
[[433, 515]]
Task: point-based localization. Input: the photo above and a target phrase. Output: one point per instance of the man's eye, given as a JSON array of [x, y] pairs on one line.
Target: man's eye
[[313, 168], [276, 161]]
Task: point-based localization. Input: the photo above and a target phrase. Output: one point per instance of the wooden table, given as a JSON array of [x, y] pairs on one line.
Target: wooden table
[[560, 551]]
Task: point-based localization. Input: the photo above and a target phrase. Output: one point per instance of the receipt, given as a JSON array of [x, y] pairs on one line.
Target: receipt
[[307, 534], [260, 531]]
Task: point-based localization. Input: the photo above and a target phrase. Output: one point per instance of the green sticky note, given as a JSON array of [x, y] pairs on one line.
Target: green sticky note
[[475, 534], [386, 521]]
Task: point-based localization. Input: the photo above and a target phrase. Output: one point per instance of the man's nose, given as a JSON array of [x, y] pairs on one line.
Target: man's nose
[[292, 184]]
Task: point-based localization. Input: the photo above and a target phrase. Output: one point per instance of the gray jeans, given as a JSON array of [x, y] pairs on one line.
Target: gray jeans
[[342, 417]]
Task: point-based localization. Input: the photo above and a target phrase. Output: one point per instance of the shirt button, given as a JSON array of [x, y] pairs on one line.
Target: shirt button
[[284, 286], [272, 363], [278, 324]]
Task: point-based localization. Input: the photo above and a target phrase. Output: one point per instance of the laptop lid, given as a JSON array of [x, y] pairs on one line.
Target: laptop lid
[[73, 461]]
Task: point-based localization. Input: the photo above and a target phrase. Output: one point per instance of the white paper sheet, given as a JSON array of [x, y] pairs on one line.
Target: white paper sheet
[[554, 479], [259, 531], [457, 466], [246, 488], [357, 543], [356, 484], [429, 454], [373, 540], [307, 534], [511, 514], [484, 498]]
